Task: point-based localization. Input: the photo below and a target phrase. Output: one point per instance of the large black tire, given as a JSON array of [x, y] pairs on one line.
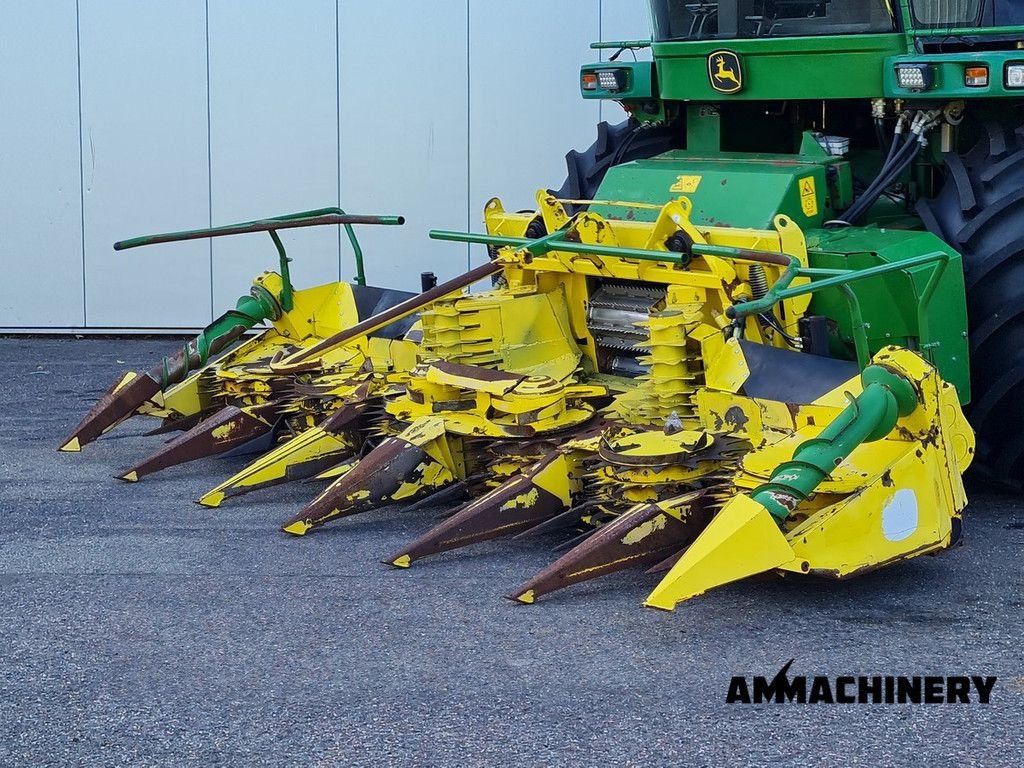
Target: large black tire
[[629, 140], [980, 212]]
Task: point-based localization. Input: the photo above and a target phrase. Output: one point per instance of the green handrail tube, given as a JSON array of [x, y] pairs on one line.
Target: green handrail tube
[[556, 242], [313, 218], [781, 291], [620, 44]]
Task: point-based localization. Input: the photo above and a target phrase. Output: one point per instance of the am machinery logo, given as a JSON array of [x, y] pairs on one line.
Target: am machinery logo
[[864, 689]]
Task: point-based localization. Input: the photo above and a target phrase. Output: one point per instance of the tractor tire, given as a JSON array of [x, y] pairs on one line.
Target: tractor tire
[[980, 212], [629, 140]]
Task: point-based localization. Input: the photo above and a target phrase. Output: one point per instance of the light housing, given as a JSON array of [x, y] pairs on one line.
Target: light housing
[[631, 82], [1015, 75], [915, 77], [976, 76]]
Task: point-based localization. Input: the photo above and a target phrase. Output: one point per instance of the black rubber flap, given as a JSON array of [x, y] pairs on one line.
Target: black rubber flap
[[371, 301], [792, 377]]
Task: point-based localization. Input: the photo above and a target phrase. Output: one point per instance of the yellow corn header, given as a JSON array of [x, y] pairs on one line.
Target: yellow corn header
[[636, 388]]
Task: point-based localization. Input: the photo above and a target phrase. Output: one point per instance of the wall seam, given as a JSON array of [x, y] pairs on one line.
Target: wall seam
[[337, 103], [81, 161], [209, 164], [469, 131]]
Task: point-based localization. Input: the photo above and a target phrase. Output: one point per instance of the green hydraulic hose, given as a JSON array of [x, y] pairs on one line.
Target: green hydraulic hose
[[870, 416], [249, 311]]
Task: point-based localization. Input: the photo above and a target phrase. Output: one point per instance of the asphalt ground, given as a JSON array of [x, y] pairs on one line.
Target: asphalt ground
[[138, 628]]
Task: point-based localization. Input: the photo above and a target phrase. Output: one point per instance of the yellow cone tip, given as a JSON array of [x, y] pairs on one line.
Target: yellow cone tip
[[660, 605], [72, 446], [125, 381], [298, 528], [743, 540], [212, 499], [402, 561], [526, 598], [130, 477]]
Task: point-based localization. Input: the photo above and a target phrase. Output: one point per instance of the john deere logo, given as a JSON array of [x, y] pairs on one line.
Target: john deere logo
[[725, 72]]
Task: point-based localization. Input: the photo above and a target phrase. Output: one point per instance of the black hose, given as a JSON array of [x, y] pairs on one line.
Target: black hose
[[620, 153], [894, 166], [866, 202], [896, 154], [882, 179], [884, 143], [769, 319], [894, 145], [904, 158]]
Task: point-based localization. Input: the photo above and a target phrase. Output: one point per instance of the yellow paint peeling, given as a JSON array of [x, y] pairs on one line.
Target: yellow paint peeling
[[644, 530]]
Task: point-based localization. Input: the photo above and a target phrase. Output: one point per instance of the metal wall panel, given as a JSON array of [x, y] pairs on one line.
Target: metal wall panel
[[41, 202], [145, 163], [525, 107], [404, 127], [191, 117], [273, 135]]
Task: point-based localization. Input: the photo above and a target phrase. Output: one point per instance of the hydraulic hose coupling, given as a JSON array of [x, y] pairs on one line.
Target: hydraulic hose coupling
[[249, 311], [870, 416], [901, 123], [924, 122]]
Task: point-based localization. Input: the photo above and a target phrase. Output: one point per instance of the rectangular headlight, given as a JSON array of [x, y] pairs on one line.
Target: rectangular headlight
[[611, 79], [915, 77], [1015, 75]]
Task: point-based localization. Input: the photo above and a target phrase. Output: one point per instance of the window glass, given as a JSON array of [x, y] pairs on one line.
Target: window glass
[[730, 19], [947, 13]]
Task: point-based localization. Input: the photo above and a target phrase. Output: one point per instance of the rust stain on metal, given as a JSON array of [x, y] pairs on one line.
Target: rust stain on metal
[[116, 405], [227, 429], [642, 537]]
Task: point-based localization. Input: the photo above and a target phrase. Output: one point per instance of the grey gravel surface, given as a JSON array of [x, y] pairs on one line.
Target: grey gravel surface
[[137, 628]]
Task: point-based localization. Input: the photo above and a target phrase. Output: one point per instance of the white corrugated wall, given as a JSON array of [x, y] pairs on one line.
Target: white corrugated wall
[[123, 117]]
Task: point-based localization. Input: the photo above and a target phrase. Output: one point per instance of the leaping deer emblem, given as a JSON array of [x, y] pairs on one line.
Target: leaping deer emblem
[[723, 74]]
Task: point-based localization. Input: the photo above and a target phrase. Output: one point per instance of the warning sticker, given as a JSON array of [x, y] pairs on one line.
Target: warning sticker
[[686, 184], [808, 196]]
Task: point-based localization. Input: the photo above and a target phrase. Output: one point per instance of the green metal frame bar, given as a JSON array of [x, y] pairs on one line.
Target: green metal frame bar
[[620, 44], [287, 291], [313, 218], [965, 31], [556, 242], [841, 279], [781, 290]]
